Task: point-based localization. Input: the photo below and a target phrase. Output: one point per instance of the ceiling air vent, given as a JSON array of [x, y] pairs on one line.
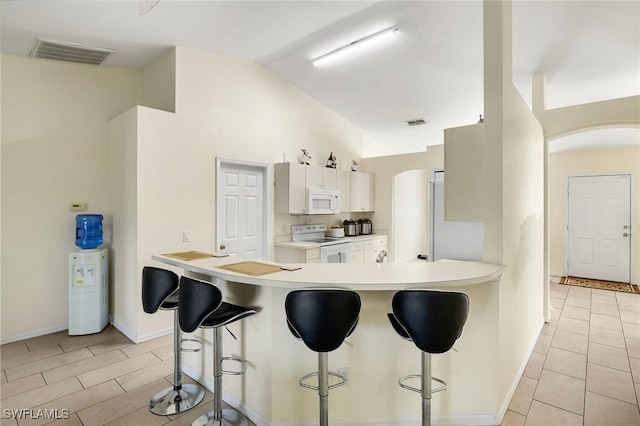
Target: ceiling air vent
[[70, 52], [416, 122]]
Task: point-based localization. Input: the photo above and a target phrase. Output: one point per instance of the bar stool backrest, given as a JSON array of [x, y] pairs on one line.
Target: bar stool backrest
[[157, 285], [198, 299], [433, 319], [322, 318]]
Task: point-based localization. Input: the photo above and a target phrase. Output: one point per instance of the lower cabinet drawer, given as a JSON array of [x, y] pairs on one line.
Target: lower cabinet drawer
[[357, 256], [313, 254]]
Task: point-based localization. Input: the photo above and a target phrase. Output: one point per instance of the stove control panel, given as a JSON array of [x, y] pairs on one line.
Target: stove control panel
[[308, 229]]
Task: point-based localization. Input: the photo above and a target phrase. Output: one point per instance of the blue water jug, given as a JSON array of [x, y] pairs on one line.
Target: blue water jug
[[88, 231]]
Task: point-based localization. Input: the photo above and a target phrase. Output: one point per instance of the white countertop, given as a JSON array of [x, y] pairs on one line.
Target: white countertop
[[355, 276]]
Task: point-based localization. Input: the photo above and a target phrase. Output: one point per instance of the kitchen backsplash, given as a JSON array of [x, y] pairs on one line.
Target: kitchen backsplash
[[283, 222]]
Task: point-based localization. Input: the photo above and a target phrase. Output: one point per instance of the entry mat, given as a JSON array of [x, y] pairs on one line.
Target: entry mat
[[252, 268], [599, 284], [193, 255]]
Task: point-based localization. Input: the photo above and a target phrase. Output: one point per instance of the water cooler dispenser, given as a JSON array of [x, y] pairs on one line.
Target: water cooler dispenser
[[88, 278]]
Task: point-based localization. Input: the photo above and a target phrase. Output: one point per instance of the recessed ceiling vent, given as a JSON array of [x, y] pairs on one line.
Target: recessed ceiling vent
[[416, 122], [70, 52]]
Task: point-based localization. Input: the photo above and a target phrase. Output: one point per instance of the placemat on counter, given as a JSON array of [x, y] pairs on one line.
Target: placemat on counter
[[251, 268], [189, 255]]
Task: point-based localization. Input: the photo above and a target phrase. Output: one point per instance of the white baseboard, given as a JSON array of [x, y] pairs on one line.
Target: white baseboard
[[482, 420], [514, 384], [124, 330], [260, 420], [34, 333], [134, 337]]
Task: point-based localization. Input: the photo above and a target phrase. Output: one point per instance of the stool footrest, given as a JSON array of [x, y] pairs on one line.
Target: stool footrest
[[342, 380], [198, 349], [418, 376], [241, 361]]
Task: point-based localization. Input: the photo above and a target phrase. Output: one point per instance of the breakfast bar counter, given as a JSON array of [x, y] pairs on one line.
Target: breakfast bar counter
[[375, 355], [354, 276]]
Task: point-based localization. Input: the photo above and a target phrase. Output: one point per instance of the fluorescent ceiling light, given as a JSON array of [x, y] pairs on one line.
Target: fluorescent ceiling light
[[355, 45]]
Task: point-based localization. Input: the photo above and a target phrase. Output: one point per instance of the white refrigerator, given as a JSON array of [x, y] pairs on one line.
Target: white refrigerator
[[88, 291]]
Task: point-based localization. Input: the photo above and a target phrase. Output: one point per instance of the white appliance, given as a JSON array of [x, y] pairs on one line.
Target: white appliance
[[88, 291], [335, 253], [452, 240], [322, 201], [332, 250]]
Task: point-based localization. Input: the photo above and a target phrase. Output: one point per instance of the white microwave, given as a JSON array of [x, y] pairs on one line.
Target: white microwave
[[322, 201]]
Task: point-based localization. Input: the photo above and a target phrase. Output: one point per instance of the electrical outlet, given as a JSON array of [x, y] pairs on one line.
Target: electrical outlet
[[186, 236], [344, 372]]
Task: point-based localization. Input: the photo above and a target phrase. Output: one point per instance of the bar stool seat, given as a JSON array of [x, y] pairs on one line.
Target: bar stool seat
[[160, 291], [433, 321], [322, 319], [201, 306]]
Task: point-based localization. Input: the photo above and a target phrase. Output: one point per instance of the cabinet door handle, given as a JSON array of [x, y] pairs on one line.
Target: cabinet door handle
[[222, 247]]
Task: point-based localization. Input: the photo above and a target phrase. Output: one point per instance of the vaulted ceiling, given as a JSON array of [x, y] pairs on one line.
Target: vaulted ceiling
[[588, 50]]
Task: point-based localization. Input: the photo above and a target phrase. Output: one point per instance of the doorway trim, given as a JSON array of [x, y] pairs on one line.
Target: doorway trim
[[267, 200], [633, 270]]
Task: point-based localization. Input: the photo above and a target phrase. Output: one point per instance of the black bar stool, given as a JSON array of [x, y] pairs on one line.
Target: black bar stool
[[322, 319], [201, 306], [433, 321], [160, 291]]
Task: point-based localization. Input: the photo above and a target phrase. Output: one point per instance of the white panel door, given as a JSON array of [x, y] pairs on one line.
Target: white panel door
[[599, 219], [240, 211]]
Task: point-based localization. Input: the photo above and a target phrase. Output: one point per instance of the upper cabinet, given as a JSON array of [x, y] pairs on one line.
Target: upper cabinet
[[344, 186], [291, 180], [362, 192], [463, 195], [321, 177], [289, 194]]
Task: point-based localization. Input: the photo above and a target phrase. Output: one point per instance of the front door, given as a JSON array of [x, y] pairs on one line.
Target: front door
[[240, 210], [599, 234]]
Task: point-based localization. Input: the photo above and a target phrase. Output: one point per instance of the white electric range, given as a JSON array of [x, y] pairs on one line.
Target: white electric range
[[332, 250]]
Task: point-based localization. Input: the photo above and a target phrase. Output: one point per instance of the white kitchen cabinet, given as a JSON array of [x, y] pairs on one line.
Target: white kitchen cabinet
[[357, 252], [297, 255], [365, 249], [463, 194], [362, 187], [291, 181], [289, 193], [344, 186], [321, 177], [373, 247]]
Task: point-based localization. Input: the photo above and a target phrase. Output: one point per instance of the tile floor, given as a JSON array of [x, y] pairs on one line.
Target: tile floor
[[101, 379], [585, 367], [585, 370]]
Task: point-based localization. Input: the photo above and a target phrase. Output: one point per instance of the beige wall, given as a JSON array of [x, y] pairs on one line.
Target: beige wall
[[410, 215], [228, 108], [513, 188], [386, 169], [54, 152], [588, 162], [522, 287], [123, 201]]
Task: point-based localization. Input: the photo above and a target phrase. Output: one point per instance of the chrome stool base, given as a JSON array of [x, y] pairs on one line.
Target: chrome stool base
[[230, 417], [173, 401]]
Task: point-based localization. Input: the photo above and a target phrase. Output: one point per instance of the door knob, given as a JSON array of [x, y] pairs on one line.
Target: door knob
[[625, 227], [222, 247], [625, 235]]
